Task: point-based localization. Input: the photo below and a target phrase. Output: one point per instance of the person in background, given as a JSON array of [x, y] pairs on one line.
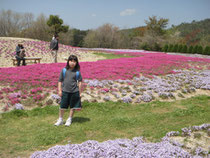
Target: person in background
[[54, 48], [20, 54]]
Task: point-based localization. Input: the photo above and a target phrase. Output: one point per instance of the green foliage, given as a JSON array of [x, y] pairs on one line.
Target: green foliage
[[157, 47], [206, 50], [15, 114], [195, 49], [112, 56], [180, 48], [190, 50], [175, 48], [184, 49], [157, 25], [170, 49], [194, 32], [200, 50], [78, 37], [165, 48], [145, 46], [56, 24]]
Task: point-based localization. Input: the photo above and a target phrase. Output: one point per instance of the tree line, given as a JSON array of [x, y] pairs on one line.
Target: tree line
[[179, 48], [153, 36]]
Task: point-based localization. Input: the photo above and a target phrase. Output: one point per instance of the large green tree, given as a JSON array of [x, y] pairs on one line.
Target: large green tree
[[156, 26], [56, 24]]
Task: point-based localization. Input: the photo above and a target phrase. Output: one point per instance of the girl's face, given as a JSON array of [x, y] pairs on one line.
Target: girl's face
[[72, 64]]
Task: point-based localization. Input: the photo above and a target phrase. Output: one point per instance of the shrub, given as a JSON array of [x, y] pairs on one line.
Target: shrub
[[200, 50], [170, 48], [184, 49], [180, 48], [165, 48], [206, 51], [157, 47], [195, 49], [190, 50], [175, 48], [145, 46]]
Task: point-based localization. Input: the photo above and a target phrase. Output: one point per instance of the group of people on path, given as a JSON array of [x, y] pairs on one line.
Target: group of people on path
[[69, 82]]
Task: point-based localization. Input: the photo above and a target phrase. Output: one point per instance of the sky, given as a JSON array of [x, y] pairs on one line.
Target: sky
[[91, 14]]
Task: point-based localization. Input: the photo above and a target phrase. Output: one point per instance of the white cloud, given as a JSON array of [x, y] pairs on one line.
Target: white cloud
[[128, 12]]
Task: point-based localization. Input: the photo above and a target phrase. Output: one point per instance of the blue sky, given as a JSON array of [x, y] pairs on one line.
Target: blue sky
[[90, 14]]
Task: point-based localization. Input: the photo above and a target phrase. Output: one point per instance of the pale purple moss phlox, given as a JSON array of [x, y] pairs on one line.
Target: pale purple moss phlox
[[104, 83], [146, 97], [19, 106], [107, 98], [172, 133], [125, 148], [55, 96], [200, 152], [169, 83], [187, 131], [126, 99]]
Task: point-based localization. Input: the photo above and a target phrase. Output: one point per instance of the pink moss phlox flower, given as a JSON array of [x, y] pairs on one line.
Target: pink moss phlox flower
[[1, 97], [105, 90], [23, 96], [15, 100], [38, 97]]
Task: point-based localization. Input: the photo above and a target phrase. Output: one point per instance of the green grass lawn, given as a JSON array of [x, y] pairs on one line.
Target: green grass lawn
[[112, 56], [23, 132]]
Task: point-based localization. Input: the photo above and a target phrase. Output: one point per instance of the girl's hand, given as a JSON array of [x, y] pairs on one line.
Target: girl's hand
[[60, 93]]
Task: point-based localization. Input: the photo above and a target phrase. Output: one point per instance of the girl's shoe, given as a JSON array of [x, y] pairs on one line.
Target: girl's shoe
[[59, 122], [68, 122]]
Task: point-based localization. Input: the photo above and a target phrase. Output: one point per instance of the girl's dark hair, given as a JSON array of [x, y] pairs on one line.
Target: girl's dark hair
[[73, 57]]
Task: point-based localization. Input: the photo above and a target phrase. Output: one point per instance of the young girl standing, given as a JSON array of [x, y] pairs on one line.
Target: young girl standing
[[69, 88]]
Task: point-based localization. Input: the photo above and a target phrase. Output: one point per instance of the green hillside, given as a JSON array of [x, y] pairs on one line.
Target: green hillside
[[196, 32], [201, 27]]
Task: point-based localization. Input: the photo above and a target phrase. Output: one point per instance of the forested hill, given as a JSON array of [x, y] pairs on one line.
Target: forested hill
[[194, 33], [201, 28]]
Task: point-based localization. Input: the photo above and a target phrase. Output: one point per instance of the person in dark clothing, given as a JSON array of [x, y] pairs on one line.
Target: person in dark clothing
[[54, 49], [20, 54]]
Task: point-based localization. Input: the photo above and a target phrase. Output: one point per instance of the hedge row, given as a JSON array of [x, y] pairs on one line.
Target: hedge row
[[185, 49]]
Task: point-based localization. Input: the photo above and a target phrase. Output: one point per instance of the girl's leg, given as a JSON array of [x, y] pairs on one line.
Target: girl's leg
[[69, 120], [60, 120], [71, 113], [61, 113]]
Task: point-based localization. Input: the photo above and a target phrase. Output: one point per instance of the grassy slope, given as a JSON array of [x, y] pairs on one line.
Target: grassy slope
[[23, 132], [112, 56]]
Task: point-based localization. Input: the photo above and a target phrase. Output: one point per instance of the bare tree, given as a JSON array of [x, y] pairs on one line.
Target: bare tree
[[106, 36], [28, 19], [11, 23], [90, 40], [38, 29], [66, 38]]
